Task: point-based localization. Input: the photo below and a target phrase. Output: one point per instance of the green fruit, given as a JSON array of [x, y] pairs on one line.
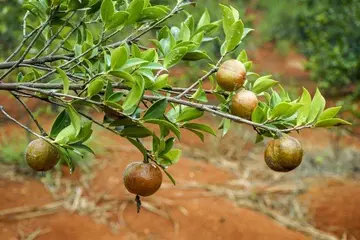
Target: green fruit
[[283, 154], [244, 103], [142, 179], [231, 75], [41, 155]]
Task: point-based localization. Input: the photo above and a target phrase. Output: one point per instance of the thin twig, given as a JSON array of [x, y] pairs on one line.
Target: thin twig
[[209, 73], [43, 132], [27, 49], [20, 124]]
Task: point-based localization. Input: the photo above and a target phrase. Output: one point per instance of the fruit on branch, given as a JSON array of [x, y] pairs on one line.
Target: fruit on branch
[[243, 103], [142, 179], [283, 154], [41, 155], [231, 75]]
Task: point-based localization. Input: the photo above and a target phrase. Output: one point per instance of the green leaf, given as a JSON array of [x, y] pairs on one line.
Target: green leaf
[[200, 95], [169, 176], [258, 115], [262, 84], [242, 56], [109, 90], [160, 82], [259, 138], [329, 113], [83, 147], [135, 94], [118, 57], [135, 9], [331, 122], [196, 55], [136, 132], [132, 62], [61, 122], [201, 127], [185, 33], [139, 146], [280, 109], [166, 124], [228, 18], [65, 79], [204, 20], [234, 36], [226, 126], [198, 133], [305, 109], [294, 108], [75, 119], [66, 157], [173, 155], [188, 114], [117, 20], [95, 87], [65, 135], [169, 143], [107, 10], [316, 107], [156, 110], [174, 56], [153, 12], [123, 75]]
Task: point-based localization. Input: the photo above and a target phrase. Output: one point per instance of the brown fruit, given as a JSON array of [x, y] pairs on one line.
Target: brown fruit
[[142, 179], [231, 75], [41, 155], [244, 103], [283, 154]]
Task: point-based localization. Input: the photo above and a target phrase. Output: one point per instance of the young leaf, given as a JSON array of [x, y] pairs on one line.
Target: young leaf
[[316, 107], [95, 87], [75, 119], [279, 110], [228, 18], [135, 9], [168, 125], [331, 122], [305, 109], [204, 20], [242, 56], [160, 82], [174, 56], [65, 79], [329, 113], [258, 115], [118, 58], [107, 10], [157, 110], [201, 127], [234, 36], [262, 84], [135, 94], [200, 95], [188, 114], [61, 122], [117, 20], [173, 155]]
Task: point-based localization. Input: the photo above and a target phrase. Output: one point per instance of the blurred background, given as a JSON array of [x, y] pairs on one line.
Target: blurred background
[[224, 189]]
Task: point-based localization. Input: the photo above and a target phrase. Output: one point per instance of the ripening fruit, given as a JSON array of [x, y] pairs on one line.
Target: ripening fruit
[[41, 155], [283, 154], [142, 179], [243, 104], [231, 75]]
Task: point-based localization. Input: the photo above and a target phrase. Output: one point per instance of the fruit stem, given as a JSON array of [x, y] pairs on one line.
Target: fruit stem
[[138, 203]]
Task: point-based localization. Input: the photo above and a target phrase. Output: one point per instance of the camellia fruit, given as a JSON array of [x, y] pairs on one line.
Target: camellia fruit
[[142, 179], [41, 155], [283, 154], [244, 103], [231, 75]]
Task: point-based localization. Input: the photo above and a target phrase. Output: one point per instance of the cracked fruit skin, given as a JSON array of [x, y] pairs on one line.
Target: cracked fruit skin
[[142, 179], [283, 154], [231, 75], [243, 104], [41, 155]]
